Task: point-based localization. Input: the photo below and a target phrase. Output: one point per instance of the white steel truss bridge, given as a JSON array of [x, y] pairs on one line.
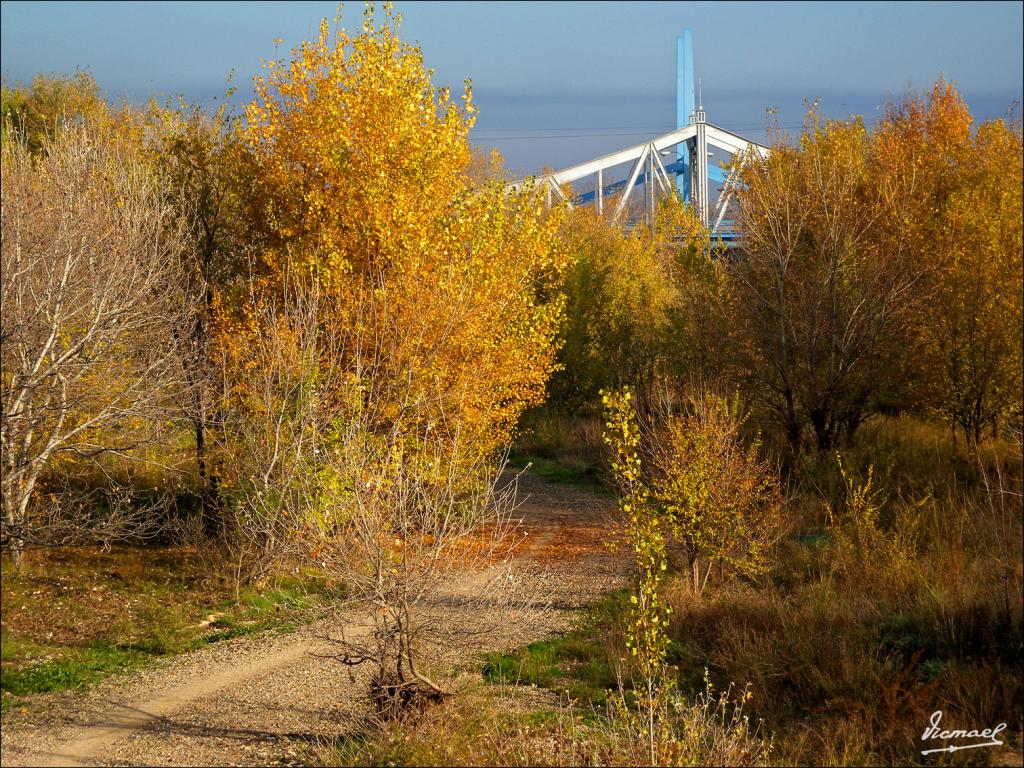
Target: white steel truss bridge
[[689, 173]]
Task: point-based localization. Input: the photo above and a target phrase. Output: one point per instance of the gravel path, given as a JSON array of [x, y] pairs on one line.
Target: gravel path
[[261, 700]]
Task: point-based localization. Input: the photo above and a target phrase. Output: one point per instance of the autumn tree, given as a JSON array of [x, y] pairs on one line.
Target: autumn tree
[[38, 112], [964, 224], [720, 496], [635, 301], [823, 292], [273, 428], [687, 467], [695, 343], [438, 313], [360, 168], [645, 528], [91, 293], [199, 156], [618, 304]]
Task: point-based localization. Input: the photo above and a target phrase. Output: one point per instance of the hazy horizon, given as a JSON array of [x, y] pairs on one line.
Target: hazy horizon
[[559, 83]]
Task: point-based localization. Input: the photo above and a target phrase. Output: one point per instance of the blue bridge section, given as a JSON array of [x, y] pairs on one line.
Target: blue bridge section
[[688, 175]]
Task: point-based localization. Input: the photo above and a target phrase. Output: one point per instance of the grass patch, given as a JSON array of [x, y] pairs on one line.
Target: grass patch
[[76, 616], [849, 648], [77, 668], [562, 449], [582, 662], [579, 474]]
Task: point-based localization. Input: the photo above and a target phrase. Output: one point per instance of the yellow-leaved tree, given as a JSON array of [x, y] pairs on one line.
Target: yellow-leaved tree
[[360, 182], [962, 213], [685, 476], [406, 314], [636, 300]]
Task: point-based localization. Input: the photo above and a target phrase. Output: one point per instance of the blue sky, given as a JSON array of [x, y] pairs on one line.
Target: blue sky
[[559, 82]]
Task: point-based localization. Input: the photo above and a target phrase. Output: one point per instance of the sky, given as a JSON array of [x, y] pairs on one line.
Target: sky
[[558, 83]]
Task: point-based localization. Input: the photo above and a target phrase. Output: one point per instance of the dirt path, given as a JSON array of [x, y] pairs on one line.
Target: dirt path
[[260, 700]]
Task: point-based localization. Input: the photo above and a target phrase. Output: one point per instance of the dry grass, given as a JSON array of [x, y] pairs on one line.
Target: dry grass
[[523, 726], [550, 434], [847, 648]]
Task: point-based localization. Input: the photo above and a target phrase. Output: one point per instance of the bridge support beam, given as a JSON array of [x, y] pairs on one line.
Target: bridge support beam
[[699, 171], [633, 176]]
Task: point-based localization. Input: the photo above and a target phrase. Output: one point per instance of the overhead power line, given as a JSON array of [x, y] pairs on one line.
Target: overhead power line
[[664, 127]]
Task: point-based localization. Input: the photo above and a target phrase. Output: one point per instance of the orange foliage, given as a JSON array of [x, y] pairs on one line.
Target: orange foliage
[[441, 289], [960, 205]]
